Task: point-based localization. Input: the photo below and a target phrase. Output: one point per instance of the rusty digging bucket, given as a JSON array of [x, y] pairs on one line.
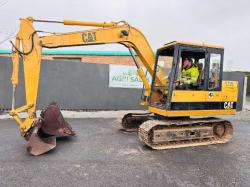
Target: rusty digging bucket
[[42, 137]]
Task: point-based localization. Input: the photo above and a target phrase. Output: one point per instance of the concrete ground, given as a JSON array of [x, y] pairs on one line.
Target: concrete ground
[[102, 155]]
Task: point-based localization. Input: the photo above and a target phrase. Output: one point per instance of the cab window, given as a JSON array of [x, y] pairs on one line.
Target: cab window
[[197, 58], [214, 71]]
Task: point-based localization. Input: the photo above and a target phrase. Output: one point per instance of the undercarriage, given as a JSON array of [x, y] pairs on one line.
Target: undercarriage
[[166, 133]]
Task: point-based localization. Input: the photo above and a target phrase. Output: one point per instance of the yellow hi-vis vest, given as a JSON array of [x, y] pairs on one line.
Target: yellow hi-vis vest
[[189, 76]]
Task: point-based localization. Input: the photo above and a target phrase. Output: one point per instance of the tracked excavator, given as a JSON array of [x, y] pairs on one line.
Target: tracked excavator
[[175, 118]]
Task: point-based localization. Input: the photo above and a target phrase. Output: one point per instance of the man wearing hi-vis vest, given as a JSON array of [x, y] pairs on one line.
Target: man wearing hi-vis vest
[[189, 75]]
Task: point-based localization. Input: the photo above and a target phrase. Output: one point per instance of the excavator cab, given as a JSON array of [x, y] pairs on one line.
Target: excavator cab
[[172, 124], [207, 59]]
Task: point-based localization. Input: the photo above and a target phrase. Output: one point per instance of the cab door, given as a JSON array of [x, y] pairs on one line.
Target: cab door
[[192, 98], [214, 77]]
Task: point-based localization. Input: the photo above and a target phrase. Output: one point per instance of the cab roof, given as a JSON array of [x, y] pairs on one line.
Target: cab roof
[[192, 44]]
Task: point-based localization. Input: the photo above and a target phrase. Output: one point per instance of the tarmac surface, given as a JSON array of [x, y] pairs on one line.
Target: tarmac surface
[[103, 155]]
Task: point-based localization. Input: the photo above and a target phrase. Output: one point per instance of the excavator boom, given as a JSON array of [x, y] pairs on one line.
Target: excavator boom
[[28, 46]]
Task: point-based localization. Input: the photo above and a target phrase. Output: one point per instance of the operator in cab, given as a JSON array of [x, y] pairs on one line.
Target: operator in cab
[[189, 75]]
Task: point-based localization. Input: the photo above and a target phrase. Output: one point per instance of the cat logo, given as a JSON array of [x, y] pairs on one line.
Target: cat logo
[[89, 37], [228, 105]]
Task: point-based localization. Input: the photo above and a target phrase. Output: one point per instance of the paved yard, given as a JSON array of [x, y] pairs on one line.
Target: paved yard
[[102, 155]]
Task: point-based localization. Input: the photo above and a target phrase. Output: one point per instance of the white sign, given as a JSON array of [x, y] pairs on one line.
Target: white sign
[[122, 76]]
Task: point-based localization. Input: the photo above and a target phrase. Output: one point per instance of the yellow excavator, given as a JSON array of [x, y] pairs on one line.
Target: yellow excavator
[[175, 118]]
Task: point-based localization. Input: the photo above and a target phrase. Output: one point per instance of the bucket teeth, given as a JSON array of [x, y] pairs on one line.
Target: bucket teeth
[[42, 137]]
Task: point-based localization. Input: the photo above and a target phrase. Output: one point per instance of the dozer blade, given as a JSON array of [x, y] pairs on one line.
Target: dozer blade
[[37, 144], [42, 137], [53, 122], [131, 121]]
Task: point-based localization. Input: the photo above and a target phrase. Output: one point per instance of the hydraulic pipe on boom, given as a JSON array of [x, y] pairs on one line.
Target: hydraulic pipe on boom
[[41, 132]]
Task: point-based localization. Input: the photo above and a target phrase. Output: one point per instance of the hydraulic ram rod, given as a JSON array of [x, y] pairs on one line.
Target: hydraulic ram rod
[[79, 23]]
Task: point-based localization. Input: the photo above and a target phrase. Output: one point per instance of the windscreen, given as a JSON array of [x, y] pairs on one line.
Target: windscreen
[[163, 64]]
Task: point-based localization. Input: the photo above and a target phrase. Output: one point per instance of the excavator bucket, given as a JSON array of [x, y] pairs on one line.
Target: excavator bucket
[[54, 123], [39, 144], [42, 137]]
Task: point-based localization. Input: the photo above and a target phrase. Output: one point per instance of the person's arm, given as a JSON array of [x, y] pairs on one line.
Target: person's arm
[[180, 78]]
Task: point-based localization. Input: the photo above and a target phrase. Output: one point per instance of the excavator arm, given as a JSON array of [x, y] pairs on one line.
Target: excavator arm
[[28, 46]]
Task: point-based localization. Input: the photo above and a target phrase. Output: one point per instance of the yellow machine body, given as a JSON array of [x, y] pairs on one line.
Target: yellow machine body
[[211, 96], [226, 96]]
